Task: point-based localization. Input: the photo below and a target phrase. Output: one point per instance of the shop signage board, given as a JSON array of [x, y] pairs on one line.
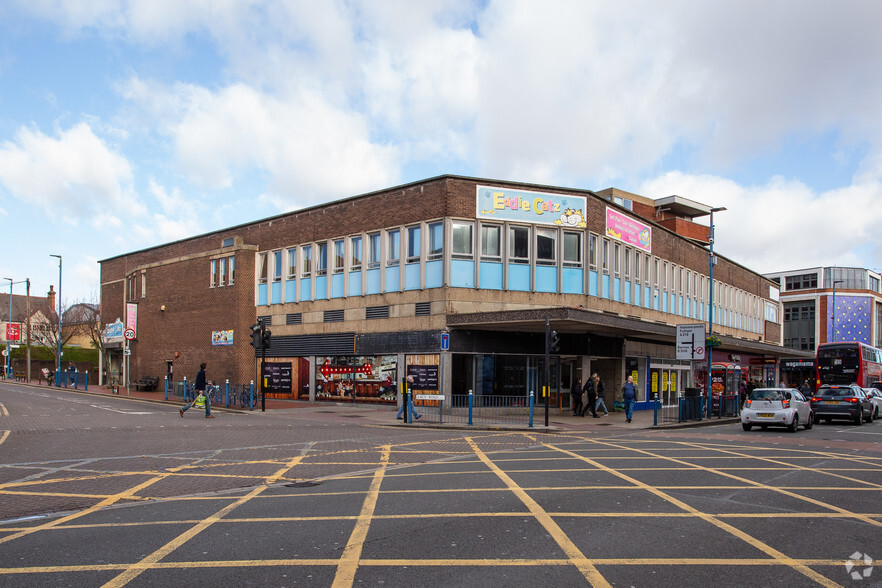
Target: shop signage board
[[425, 377], [691, 341], [277, 377], [113, 333], [526, 206]]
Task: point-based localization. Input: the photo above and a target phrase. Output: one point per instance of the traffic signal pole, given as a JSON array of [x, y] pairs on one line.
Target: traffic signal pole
[[547, 391]]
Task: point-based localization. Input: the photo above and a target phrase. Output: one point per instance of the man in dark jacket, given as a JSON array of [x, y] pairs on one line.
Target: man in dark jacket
[[576, 393], [592, 398]]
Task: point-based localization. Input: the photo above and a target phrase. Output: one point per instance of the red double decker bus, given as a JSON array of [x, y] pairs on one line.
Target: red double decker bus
[[849, 362]]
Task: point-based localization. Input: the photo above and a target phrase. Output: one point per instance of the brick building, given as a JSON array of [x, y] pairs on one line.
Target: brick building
[[367, 289]]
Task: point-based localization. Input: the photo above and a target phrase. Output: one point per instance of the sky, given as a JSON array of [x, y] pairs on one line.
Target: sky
[[125, 125]]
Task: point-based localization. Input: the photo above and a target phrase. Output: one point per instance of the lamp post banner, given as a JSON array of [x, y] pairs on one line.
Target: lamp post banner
[[132, 317]]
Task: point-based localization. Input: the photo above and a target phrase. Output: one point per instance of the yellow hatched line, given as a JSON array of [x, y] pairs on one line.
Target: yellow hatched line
[[575, 556], [784, 491], [792, 467], [125, 495], [349, 561], [266, 563], [132, 571], [750, 540]]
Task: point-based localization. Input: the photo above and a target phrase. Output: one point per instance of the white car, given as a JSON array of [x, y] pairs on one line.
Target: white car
[[777, 407], [875, 397]]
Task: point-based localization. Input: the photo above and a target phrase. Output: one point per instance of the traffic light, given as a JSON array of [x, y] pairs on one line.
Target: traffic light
[[555, 342], [256, 339], [267, 339]]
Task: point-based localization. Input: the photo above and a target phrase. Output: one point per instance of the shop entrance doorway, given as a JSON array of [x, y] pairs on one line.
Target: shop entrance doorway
[[669, 381]]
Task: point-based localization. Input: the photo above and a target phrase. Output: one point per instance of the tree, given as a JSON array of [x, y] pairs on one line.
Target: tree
[[80, 321]]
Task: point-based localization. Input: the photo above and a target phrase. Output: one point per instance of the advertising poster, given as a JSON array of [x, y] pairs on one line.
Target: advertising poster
[[222, 337], [277, 378], [425, 377], [623, 228]]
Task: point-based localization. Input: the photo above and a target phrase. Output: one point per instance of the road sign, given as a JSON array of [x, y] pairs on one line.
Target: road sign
[[127, 351], [130, 334], [691, 341], [445, 341]]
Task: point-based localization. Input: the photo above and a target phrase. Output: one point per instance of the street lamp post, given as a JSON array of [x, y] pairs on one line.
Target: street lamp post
[[8, 349], [712, 261], [58, 366], [834, 306]]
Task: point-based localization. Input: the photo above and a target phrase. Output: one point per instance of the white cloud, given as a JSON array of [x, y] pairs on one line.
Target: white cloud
[[785, 224], [311, 150], [74, 175]]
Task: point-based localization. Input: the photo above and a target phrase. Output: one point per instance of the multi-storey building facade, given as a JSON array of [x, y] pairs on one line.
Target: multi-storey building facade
[[450, 280], [827, 304]]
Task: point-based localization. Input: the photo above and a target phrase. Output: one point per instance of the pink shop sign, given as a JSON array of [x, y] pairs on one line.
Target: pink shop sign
[[628, 230]]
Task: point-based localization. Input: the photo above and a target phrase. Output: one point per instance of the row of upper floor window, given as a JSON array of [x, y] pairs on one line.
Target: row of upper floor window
[[501, 242], [836, 277]]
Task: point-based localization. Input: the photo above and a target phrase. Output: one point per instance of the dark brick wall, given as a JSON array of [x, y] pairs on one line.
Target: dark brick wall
[[178, 273]]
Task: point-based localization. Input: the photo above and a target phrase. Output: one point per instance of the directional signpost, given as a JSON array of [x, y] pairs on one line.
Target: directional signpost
[[691, 342]]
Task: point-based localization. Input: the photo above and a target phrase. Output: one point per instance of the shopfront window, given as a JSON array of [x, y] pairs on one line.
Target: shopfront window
[[546, 246], [463, 242], [519, 245], [490, 242]]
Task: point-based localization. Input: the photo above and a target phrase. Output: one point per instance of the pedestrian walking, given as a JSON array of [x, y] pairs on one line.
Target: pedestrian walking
[[576, 394], [201, 396], [805, 389], [408, 401], [591, 393], [629, 395], [599, 388]]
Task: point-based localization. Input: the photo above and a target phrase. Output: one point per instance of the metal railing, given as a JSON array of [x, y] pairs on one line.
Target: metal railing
[[227, 395], [694, 408], [471, 409]]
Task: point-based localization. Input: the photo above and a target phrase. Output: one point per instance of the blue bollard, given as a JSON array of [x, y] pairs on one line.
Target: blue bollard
[[165, 383], [655, 404], [251, 397], [532, 402], [471, 406]]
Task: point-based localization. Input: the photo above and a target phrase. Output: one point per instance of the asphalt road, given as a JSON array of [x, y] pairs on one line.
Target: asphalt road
[[107, 491]]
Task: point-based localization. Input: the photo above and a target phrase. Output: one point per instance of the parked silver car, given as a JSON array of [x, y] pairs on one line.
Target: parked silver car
[[875, 397], [777, 407]]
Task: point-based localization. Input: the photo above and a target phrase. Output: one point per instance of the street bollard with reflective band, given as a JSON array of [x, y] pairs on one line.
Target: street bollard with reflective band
[[655, 410], [471, 405], [532, 401]]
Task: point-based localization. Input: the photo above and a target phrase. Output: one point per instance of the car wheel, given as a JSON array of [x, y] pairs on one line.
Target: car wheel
[[746, 427], [811, 422], [859, 419], [869, 418], [792, 427]]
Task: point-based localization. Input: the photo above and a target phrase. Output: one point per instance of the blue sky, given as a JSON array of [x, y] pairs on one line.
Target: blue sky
[[125, 125]]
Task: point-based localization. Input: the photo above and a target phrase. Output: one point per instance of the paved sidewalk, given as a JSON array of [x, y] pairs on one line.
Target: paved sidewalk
[[385, 414]]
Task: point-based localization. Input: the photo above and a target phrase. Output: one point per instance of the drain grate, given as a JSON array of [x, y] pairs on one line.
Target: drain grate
[[304, 484]]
